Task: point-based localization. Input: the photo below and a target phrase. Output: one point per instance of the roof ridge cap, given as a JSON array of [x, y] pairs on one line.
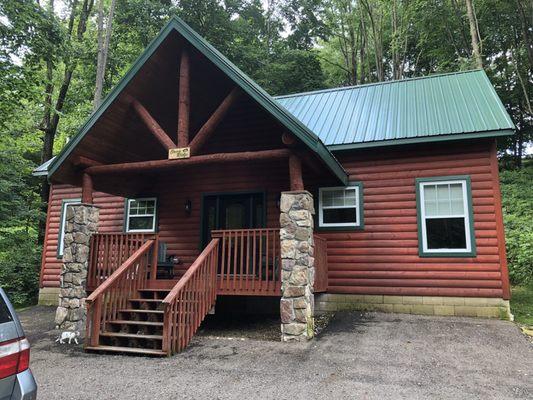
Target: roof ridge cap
[[394, 81]]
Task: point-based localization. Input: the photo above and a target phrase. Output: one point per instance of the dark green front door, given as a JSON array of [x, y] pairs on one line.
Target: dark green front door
[[232, 211]]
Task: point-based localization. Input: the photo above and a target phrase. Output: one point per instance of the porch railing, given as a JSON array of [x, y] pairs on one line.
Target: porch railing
[[190, 300], [104, 303], [250, 261], [321, 264], [107, 253]]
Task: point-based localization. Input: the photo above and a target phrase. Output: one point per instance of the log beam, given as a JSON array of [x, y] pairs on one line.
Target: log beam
[[184, 100], [87, 189], [152, 125], [84, 162], [287, 139], [206, 131], [295, 173], [158, 165]]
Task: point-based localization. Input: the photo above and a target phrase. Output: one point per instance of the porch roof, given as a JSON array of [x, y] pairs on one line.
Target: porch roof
[[287, 120]]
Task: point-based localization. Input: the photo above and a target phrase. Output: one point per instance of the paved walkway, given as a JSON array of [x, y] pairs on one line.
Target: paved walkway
[[371, 356]]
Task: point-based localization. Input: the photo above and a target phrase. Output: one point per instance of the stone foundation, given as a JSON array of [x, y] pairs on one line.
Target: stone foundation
[[80, 223], [298, 272], [484, 307]]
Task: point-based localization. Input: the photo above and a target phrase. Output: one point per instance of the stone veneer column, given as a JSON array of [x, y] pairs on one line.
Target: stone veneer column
[[298, 272], [80, 223]]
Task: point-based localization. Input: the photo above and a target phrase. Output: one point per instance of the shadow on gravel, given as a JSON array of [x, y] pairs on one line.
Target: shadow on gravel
[[347, 322]]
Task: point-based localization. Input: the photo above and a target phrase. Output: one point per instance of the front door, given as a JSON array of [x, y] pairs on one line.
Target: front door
[[232, 211]]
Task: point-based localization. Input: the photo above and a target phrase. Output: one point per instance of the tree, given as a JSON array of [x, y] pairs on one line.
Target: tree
[[103, 49], [474, 33]]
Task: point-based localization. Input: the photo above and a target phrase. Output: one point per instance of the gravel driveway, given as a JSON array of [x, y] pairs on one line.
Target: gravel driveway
[[370, 356]]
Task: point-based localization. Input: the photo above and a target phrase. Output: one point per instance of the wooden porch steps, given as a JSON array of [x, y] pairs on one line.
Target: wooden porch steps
[[137, 328], [132, 322], [131, 335], [131, 350], [141, 311]]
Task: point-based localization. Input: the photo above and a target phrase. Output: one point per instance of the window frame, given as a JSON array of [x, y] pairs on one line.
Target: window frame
[[343, 226], [61, 233], [127, 204], [470, 239]]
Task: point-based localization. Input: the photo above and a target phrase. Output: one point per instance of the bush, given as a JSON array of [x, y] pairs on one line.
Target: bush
[[19, 265], [517, 201]]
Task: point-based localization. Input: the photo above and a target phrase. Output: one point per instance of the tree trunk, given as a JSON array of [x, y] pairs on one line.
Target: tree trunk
[[526, 32], [103, 50], [377, 34], [52, 115], [474, 35]]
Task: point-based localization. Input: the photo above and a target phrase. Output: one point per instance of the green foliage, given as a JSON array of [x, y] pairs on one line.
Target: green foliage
[[19, 265], [287, 46], [517, 198], [522, 304]]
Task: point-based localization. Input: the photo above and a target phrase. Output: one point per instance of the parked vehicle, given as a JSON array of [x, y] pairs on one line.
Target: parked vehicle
[[16, 378]]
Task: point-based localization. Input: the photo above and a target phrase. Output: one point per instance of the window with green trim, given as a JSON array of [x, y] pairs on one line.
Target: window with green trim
[[340, 207], [62, 224], [141, 214], [445, 217]]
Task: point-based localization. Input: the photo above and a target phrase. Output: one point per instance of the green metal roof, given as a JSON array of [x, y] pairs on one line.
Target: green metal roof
[[451, 106], [240, 78]]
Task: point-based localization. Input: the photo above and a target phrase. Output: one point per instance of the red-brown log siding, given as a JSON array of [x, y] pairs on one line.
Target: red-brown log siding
[[380, 259], [383, 258], [111, 219]]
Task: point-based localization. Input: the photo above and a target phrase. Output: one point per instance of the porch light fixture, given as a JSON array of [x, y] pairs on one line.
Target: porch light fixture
[[188, 206]]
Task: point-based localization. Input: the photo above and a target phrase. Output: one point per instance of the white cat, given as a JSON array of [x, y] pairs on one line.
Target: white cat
[[68, 335]]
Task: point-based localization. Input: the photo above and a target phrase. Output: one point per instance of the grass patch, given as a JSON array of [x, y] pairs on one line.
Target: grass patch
[[522, 304]]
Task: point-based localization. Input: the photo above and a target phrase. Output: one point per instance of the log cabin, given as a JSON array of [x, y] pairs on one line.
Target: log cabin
[[190, 183]]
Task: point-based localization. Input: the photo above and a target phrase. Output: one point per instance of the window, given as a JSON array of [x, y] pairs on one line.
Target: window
[[445, 218], [340, 207], [62, 224], [141, 215]]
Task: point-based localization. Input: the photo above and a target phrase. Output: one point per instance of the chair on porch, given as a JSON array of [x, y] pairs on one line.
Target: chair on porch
[[165, 266]]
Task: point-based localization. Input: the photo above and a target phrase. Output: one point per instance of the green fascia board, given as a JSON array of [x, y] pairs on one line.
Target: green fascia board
[[235, 74], [422, 139]]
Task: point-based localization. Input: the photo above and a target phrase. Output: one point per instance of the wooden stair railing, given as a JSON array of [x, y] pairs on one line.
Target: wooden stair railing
[[107, 253], [190, 300], [104, 304]]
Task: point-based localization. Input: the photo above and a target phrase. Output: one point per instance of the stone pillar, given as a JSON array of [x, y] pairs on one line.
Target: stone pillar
[[298, 272], [81, 222]]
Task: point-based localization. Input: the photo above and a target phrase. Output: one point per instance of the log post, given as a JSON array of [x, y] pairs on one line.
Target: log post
[[152, 125], [295, 173], [184, 100], [87, 189], [214, 120]]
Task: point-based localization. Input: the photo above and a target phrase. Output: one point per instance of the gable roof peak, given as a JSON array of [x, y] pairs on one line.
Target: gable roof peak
[[308, 138]]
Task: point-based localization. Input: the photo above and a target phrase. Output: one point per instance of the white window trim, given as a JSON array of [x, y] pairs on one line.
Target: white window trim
[[465, 215], [63, 223], [357, 206], [128, 216]]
